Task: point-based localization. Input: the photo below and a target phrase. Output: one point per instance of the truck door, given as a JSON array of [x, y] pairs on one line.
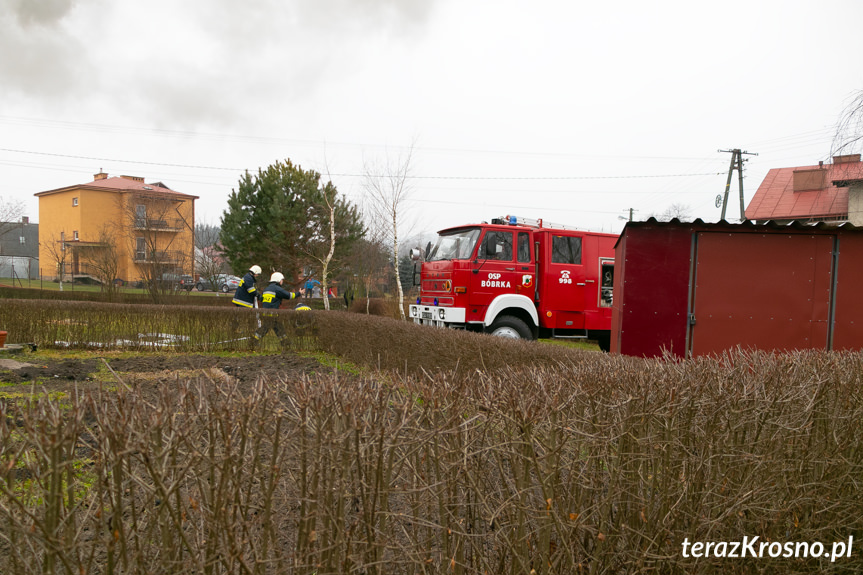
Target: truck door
[[564, 289], [524, 267], [496, 271]]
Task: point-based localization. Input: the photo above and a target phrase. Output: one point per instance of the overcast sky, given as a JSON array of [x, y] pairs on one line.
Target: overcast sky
[[575, 112]]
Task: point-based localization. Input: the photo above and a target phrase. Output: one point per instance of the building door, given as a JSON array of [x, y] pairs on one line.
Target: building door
[[762, 291]]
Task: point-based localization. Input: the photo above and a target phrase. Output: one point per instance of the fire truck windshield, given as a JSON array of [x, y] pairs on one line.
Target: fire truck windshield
[[454, 245]]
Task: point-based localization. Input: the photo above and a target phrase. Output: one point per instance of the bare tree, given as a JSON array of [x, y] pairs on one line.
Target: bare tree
[[11, 212], [329, 197], [209, 262], [103, 259], [678, 211], [370, 263], [388, 190], [57, 250], [849, 130], [160, 239]]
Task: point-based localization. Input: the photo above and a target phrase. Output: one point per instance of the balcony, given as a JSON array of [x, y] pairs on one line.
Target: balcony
[[160, 224], [173, 258]]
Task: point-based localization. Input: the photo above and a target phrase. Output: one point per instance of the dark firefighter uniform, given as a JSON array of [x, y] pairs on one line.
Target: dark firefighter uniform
[[246, 293], [271, 298]]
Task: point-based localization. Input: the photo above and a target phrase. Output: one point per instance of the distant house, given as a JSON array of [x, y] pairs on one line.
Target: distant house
[[822, 193], [19, 249], [116, 228]]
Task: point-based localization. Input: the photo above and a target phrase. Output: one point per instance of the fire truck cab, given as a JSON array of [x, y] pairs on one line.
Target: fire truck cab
[[518, 278]]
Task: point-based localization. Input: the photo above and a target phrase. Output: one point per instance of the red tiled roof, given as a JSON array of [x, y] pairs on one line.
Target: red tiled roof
[[777, 200], [123, 183]]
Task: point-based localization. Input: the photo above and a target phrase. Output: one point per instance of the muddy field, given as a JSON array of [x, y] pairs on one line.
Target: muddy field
[[151, 370]]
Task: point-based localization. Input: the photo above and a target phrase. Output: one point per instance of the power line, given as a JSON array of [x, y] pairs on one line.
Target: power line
[[349, 175]]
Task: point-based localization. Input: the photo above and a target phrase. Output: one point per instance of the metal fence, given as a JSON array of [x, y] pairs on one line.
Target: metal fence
[[19, 267]]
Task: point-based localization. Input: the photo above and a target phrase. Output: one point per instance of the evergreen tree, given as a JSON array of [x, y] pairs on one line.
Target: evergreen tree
[[278, 217]]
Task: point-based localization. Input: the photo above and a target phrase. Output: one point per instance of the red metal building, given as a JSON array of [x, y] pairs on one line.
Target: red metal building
[[700, 288]]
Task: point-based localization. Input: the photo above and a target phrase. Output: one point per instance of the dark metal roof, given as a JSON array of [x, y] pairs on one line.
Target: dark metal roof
[[746, 226]]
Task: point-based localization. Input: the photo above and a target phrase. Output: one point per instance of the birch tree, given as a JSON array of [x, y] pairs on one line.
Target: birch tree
[[327, 243], [388, 190]]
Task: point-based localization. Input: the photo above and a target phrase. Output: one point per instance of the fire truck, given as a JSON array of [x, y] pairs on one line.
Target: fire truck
[[517, 278]]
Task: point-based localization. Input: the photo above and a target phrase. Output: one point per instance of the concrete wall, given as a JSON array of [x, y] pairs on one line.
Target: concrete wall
[[855, 204]]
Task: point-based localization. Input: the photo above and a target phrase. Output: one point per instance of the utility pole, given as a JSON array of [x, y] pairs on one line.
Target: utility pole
[[736, 164], [631, 211]]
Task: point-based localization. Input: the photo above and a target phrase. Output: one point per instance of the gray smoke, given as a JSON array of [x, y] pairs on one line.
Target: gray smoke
[[262, 49], [41, 58]]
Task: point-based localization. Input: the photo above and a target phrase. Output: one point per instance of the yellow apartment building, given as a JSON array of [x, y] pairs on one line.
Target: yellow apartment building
[[117, 228]]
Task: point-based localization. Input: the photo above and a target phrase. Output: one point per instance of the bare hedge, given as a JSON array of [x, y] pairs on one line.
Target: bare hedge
[[462, 454]]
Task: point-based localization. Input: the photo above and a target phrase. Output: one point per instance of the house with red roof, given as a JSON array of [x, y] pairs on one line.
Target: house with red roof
[[823, 193], [116, 228]]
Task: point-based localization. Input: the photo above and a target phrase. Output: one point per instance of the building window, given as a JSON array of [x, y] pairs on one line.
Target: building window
[[21, 239], [140, 216], [74, 202], [75, 235]]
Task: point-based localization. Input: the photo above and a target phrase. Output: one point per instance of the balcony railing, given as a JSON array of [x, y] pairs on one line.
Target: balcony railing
[[160, 224], [159, 257]]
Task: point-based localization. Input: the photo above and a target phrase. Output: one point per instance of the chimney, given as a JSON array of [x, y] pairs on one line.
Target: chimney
[[100, 176], [849, 159], [804, 180]]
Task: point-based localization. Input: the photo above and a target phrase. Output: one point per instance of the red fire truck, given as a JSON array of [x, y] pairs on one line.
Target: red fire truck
[[518, 278]]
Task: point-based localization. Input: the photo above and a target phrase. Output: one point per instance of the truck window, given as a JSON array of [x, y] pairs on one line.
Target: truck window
[[496, 246], [454, 245], [565, 250], [606, 289], [523, 247]]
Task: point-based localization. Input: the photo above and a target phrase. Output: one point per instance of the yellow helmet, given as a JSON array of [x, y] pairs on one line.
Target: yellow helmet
[[303, 307]]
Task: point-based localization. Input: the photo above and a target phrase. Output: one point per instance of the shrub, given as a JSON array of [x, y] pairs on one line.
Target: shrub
[[596, 464]]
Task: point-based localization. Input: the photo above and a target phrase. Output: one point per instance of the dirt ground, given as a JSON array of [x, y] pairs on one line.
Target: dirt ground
[[150, 370]]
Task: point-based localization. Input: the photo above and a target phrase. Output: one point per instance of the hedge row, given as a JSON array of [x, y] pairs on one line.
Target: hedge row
[[597, 464], [459, 453]]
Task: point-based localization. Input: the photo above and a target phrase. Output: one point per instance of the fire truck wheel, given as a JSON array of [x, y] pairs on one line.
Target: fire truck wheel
[[511, 327]]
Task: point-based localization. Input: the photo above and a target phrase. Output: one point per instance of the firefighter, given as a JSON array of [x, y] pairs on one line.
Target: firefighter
[[271, 298], [246, 293]]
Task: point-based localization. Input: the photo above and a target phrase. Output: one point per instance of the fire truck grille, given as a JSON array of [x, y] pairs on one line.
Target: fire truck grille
[[437, 286]]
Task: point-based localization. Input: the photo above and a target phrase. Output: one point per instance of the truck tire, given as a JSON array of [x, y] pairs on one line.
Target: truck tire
[[510, 327], [603, 339]]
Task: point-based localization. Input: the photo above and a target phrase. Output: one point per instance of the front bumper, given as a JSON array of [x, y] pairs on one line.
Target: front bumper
[[437, 315]]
